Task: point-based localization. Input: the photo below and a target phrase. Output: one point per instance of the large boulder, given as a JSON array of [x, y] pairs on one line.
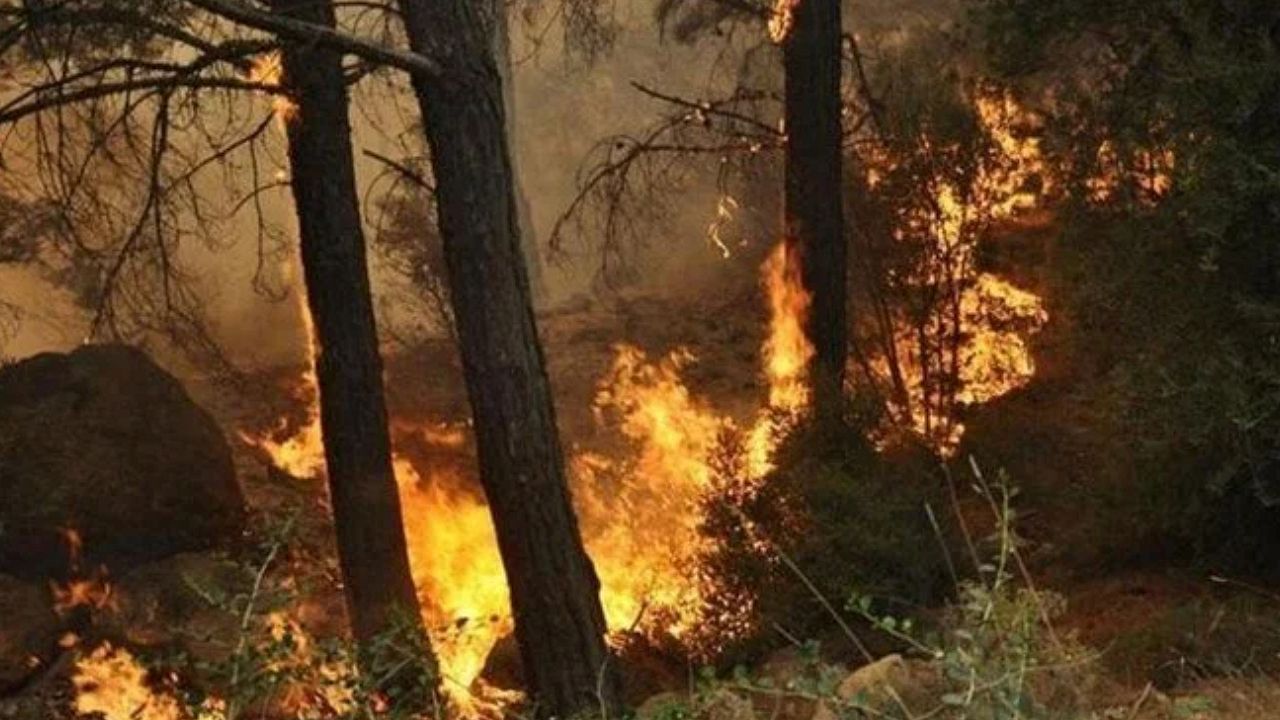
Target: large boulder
[[103, 442]]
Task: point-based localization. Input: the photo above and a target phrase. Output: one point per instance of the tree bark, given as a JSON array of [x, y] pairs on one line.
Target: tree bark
[[366, 503], [524, 211], [555, 601], [814, 215]]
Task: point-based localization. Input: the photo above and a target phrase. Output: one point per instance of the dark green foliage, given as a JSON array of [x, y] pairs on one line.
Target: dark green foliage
[[833, 510], [1171, 298]]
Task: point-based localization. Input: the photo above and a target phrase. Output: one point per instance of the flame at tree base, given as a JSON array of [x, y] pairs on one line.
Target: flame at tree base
[[639, 515]]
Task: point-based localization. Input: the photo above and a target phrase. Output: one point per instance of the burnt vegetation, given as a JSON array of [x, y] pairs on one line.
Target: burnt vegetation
[[719, 359]]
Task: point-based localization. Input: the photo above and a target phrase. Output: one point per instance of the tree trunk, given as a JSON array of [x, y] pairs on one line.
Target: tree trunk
[[366, 504], [814, 215], [555, 601], [524, 212]]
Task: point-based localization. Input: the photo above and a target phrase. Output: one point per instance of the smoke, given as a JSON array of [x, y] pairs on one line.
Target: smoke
[[564, 105]]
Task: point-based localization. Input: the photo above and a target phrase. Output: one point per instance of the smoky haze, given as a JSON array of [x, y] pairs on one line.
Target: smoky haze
[[564, 106]]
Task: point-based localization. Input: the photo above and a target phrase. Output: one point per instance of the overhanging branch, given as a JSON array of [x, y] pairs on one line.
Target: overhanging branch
[[304, 32]]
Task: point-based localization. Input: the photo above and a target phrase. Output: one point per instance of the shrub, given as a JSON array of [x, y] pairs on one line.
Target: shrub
[[833, 514]]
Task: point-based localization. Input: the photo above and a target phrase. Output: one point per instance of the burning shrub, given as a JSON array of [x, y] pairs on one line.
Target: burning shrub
[[953, 162], [1166, 274], [833, 510]]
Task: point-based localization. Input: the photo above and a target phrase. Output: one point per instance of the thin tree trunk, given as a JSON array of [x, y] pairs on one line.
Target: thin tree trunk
[[366, 504], [814, 215], [555, 600]]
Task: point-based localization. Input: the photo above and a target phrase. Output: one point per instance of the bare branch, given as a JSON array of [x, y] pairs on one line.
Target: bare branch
[[298, 31]]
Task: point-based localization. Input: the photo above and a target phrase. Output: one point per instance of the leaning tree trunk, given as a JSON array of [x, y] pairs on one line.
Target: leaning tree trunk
[[555, 599], [353, 415], [814, 218]]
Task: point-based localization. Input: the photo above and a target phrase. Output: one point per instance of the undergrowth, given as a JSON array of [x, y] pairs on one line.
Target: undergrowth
[[993, 654]]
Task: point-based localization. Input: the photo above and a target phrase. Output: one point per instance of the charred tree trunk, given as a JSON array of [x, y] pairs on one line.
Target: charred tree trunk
[[353, 415], [814, 215], [555, 594]]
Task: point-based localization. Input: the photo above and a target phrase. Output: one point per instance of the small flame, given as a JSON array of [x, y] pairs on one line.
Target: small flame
[[268, 69], [782, 20], [1147, 171], [726, 208], [90, 591]]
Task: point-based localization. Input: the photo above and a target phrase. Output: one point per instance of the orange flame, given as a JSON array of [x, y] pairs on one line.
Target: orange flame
[[112, 683], [1149, 172], [268, 69], [91, 591], [782, 20], [994, 318], [787, 350], [639, 516]]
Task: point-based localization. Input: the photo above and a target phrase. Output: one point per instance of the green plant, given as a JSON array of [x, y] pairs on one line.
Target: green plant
[[275, 665], [998, 654], [834, 511], [1168, 287]]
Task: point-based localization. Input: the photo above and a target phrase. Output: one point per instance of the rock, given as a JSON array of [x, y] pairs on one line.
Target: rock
[[726, 705], [664, 705], [871, 676], [503, 668], [29, 631], [918, 684], [104, 442], [786, 667], [786, 682], [181, 603], [646, 670]]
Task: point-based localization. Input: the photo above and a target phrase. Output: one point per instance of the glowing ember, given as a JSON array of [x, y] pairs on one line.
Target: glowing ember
[[726, 207], [112, 683], [83, 590]]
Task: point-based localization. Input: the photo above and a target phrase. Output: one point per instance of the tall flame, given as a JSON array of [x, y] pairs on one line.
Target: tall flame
[[639, 516], [787, 350]]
